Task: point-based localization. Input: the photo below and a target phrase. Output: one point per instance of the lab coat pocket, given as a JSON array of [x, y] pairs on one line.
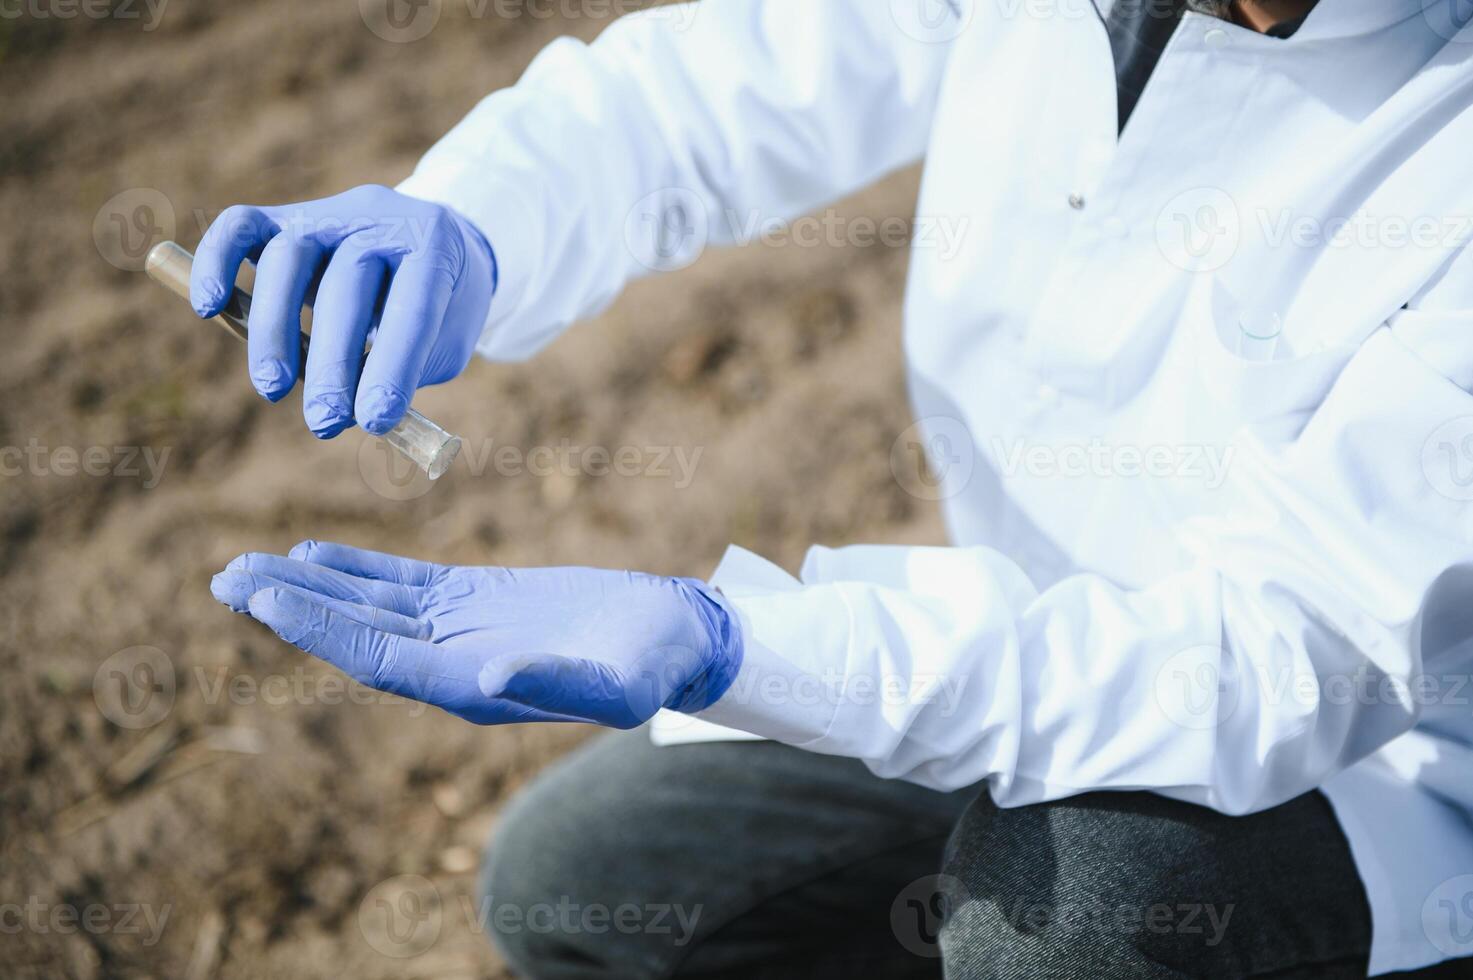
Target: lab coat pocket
[[1248, 368], [1442, 338]]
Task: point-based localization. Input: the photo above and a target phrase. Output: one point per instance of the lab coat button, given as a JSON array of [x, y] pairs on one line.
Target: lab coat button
[[1076, 201], [1216, 38]]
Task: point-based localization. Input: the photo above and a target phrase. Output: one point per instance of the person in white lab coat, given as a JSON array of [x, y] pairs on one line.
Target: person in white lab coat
[[1189, 694]]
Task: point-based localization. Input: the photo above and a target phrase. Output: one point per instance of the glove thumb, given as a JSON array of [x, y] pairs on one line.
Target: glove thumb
[[588, 689]]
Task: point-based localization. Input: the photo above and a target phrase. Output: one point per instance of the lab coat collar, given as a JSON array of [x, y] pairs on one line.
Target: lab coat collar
[[1351, 18]]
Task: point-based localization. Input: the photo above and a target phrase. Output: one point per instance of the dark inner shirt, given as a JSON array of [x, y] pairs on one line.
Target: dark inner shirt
[[1139, 31]]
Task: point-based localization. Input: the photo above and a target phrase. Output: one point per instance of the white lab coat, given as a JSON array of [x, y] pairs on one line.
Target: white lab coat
[[1199, 397]]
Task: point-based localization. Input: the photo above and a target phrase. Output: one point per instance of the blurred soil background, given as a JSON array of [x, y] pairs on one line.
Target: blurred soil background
[[162, 755]]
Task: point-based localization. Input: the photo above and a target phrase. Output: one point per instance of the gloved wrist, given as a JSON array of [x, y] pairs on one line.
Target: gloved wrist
[[478, 246], [724, 649]]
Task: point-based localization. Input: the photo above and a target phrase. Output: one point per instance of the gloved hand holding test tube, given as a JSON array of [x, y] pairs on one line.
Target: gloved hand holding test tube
[[420, 440], [413, 275]]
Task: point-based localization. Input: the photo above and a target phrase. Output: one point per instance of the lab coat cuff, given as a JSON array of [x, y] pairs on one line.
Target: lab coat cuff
[[794, 657], [501, 211]]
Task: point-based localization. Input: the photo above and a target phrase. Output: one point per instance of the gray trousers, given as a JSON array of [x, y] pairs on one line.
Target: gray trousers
[[752, 860]]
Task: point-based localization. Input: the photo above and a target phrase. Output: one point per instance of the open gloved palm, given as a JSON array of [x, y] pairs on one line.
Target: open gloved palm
[[496, 645]]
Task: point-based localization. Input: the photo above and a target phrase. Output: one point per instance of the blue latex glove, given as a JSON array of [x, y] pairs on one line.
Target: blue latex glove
[[497, 645], [419, 271]]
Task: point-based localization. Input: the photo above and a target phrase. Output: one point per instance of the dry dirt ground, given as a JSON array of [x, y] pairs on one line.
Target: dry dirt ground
[[181, 795]]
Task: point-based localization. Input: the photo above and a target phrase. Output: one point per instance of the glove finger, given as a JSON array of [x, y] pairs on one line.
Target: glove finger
[[499, 711], [236, 586], [331, 583], [413, 311], [383, 661], [346, 300], [239, 233], [366, 564], [274, 347], [568, 686]]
